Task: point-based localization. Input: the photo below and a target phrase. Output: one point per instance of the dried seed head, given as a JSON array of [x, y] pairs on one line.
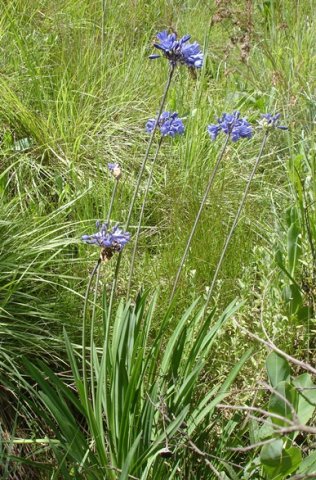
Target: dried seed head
[[166, 453]]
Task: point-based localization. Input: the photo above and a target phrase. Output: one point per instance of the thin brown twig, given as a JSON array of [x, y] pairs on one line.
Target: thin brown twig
[[262, 420], [257, 410], [271, 345], [252, 446], [293, 426], [202, 454], [296, 427]]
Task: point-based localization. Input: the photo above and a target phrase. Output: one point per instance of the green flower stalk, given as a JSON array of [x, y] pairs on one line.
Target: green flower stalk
[[235, 128], [110, 241], [141, 217], [197, 218]]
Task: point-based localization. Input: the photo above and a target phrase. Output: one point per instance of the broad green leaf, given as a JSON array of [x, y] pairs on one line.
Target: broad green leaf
[[306, 397], [308, 464], [265, 431], [292, 297], [270, 454], [279, 462], [278, 369], [293, 243], [282, 402]]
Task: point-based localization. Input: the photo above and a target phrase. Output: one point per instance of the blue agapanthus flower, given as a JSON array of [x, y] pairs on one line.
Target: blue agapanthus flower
[[169, 124], [178, 51], [110, 241], [271, 121], [231, 124], [192, 55]]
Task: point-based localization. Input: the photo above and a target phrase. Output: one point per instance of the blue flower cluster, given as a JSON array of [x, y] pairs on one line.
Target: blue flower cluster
[[110, 241], [178, 51], [169, 124], [271, 121], [231, 125]]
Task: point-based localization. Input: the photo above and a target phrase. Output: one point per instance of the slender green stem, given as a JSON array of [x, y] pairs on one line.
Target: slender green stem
[[84, 327], [142, 168], [237, 216], [197, 218], [136, 238], [96, 271], [91, 337]]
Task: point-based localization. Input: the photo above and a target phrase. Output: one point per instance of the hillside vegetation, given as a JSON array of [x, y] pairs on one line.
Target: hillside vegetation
[[131, 368]]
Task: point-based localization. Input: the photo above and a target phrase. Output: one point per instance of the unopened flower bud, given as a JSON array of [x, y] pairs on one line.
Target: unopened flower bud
[[269, 121], [115, 170]]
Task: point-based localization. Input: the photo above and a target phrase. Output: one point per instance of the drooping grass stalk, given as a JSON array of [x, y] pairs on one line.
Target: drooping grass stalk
[[84, 327], [236, 219], [197, 218], [140, 175], [141, 215], [102, 31]]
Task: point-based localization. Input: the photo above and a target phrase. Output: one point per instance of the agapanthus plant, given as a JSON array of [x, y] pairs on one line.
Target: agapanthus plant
[[268, 121], [169, 124], [109, 240], [232, 125], [178, 51]]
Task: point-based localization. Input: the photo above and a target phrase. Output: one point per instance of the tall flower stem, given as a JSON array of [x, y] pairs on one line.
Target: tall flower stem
[[112, 201], [151, 139], [84, 327], [197, 218], [141, 216], [142, 168], [92, 373], [236, 219]]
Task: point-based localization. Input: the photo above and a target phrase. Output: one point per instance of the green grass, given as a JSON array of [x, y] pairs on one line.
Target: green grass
[[76, 89]]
